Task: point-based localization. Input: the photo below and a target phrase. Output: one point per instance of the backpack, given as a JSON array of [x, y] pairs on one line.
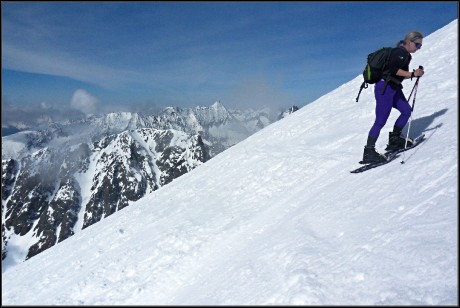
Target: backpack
[[376, 67]]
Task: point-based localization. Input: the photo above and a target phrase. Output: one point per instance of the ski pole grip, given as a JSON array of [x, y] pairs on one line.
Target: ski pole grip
[[418, 77]]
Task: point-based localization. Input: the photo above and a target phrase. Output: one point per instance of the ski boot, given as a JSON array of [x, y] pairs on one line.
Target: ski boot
[[397, 142], [371, 156]]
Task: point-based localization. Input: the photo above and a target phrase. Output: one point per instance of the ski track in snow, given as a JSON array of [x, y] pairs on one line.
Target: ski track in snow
[[278, 218]]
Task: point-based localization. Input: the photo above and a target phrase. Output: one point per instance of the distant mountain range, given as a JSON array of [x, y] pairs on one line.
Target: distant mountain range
[[70, 175]]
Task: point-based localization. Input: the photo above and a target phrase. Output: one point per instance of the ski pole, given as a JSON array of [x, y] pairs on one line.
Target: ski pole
[[413, 88], [412, 108]]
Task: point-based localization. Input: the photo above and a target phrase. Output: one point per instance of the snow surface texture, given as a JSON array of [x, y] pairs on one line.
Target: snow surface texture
[[279, 219]]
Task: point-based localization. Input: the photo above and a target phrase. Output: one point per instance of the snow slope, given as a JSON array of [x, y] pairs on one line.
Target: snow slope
[[279, 219]]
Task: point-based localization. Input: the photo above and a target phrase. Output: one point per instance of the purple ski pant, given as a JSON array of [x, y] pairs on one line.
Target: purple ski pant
[[384, 103]]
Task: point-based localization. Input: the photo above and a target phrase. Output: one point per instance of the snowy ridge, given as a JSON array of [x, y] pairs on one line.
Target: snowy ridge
[[219, 127], [278, 218]]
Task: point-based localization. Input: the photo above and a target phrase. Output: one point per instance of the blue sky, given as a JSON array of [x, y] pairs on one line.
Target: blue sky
[[246, 54]]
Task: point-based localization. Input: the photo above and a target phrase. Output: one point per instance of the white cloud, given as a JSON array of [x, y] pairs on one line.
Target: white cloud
[[83, 101], [45, 105]]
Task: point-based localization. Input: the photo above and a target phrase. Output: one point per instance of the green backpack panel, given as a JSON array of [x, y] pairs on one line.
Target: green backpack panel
[[376, 67]]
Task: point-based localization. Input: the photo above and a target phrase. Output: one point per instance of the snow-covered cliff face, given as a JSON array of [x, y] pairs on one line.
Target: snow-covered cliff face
[[52, 193], [62, 179]]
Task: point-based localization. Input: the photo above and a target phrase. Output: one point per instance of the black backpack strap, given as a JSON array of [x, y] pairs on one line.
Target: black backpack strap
[[387, 80], [384, 87], [364, 85]]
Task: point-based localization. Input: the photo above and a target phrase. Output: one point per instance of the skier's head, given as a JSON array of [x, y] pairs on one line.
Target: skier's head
[[412, 41]]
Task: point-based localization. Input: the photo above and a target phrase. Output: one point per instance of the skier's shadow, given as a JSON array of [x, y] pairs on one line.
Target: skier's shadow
[[420, 125]]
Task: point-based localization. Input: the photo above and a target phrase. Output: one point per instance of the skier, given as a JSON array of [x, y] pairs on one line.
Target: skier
[[388, 94]]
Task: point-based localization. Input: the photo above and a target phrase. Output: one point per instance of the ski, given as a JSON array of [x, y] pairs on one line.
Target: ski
[[390, 155]]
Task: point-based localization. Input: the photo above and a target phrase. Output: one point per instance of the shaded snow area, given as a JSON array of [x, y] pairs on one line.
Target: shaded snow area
[[279, 218]]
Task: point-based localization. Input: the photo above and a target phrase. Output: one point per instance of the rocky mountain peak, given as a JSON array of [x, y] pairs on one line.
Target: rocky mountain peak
[[59, 180]]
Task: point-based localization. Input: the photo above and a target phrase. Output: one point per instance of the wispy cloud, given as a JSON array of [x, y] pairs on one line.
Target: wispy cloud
[[58, 64], [162, 46]]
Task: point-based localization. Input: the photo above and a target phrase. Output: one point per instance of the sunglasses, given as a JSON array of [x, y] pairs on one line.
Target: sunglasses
[[418, 45]]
